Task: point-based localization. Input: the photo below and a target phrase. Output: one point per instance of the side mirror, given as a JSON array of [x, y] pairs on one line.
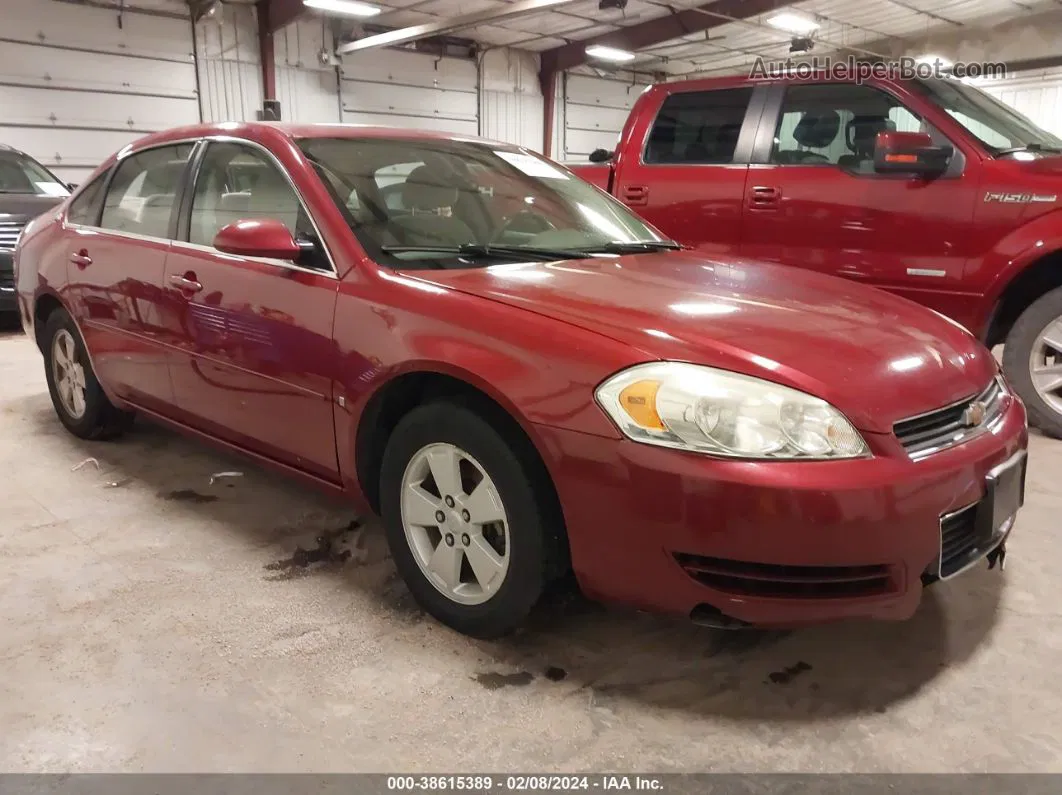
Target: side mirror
[[71, 186], [910, 153], [600, 156], [259, 237]]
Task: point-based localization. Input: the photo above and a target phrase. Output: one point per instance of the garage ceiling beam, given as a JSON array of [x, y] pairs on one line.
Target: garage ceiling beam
[[405, 35], [276, 14], [656, 31]]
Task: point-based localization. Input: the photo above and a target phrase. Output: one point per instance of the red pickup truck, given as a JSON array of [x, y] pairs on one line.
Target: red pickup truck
[[931, 189]]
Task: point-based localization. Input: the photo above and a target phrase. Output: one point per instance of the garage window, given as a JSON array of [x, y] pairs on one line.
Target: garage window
[[141, 196]]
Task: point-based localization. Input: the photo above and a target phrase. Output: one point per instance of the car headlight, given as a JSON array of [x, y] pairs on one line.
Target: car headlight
[[705, 410]]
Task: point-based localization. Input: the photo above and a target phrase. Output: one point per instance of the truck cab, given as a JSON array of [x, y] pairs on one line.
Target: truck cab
[[931, 189]]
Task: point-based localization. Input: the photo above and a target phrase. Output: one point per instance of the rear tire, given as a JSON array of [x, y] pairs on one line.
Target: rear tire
[[520, 544], [77, 396]]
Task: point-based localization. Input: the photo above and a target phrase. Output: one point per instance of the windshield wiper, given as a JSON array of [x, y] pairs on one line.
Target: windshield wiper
[[620, 247], [488, 251], [1033, 147]]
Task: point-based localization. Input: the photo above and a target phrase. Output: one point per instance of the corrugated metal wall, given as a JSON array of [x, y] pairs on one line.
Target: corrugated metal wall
[[230, 72], [75, 85], [1037, 95], [511, 107], [307, 84]]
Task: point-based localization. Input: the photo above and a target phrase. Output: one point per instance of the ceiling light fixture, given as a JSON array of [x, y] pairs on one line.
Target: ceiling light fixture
[[349, 8], [793, 23], [934, 59], [609, 54]]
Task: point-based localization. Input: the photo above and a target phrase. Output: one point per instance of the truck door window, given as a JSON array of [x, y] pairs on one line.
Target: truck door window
[[837, 125], [698, 127]]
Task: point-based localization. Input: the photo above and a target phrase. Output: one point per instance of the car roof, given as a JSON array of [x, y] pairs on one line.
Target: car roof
[[264, 132]]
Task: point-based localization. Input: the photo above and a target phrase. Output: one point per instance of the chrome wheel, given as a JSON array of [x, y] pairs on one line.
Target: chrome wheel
[[455, 523], [1045, 365], [69, 375]]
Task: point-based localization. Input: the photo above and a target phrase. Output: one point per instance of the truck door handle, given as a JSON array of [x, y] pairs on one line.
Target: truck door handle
[[763, 197], [81, 259], [186, 283], [636, 195]]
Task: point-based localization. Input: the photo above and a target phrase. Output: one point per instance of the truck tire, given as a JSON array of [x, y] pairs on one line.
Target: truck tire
[[1032, 361]]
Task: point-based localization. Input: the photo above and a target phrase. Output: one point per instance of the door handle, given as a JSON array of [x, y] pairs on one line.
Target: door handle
[[186, 283], [81, 259], [636, 195], [763, 197]]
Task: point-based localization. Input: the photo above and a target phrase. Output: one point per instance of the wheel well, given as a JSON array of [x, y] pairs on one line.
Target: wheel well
[[392, 402], [1042, 276], [46, 304]]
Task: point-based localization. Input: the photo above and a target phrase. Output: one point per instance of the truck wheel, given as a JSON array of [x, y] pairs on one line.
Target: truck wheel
[[76, 395], [1032, 361], [467, 527]]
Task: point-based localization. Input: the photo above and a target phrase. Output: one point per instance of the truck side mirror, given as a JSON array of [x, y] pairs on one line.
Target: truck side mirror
[[600, 156], [910, 153]]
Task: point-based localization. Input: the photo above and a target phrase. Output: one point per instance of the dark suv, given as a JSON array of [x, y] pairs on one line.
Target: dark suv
[[27, 189]]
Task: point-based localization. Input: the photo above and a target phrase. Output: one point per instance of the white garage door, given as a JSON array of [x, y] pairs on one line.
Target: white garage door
[[393, 88], [595, 110], [74, 87]]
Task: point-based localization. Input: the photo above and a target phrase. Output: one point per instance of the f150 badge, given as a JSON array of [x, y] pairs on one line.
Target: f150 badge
[[1019, 198]]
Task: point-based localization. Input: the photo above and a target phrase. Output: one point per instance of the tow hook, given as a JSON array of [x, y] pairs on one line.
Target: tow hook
[[998, 555]]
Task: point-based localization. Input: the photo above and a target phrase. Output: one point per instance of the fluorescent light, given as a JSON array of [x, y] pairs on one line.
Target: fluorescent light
[[350, 8], [932, 59], [609, 53], [793, 23]]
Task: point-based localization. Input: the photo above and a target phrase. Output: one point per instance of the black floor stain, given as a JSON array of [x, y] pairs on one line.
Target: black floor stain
[[301, 559], [555, 674], [496, 681], [188, 495], [786, 675]]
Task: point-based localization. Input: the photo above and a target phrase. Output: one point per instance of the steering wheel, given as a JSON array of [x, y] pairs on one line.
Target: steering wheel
[[536, 224]]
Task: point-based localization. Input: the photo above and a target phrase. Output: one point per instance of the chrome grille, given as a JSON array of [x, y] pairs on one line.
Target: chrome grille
[[9, 232], [938, 430]]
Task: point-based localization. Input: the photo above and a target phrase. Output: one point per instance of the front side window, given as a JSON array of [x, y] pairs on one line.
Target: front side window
[[23, 175], [698, 127], [996, 125], [241, 183], [837, 125], [427, 203], [143, 192]]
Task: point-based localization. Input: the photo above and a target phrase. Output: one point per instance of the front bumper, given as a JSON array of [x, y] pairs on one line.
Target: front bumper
[[672, 532]]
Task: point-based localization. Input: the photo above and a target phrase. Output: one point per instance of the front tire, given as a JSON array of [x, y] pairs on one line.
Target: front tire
[[465, 522], [77, 396], [1032, 360]]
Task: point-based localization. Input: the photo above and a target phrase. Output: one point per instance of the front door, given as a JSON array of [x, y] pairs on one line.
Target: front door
[[257, 362], [117, 266], [831, 212], [690, 179]]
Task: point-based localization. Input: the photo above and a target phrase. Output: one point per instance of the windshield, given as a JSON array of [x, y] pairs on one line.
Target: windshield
[[994, 123], [20, 174], [439, 203]]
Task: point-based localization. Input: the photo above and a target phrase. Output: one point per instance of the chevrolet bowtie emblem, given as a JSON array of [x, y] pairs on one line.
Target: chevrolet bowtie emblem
[[974, 414]]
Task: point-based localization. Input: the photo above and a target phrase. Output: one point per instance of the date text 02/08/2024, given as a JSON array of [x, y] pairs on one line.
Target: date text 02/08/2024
[[523, 783]]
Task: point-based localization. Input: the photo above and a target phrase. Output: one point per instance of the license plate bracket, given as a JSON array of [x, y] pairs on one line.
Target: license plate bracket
[[1004, 495]]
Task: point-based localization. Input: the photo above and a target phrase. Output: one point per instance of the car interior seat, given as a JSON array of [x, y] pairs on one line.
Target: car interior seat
[[861, 134], [817, 129], [427, 195]]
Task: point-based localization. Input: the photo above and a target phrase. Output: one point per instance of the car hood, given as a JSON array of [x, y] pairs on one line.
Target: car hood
[[25, 207], [876, 357]]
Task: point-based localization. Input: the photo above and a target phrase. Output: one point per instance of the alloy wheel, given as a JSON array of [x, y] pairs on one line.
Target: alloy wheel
[[1045, 364], [69, 375], [455, 523]]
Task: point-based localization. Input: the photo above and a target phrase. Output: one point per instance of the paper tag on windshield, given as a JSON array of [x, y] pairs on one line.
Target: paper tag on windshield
[[531, 166], [51, 189]]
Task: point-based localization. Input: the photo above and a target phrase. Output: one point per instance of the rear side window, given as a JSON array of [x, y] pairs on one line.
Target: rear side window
[[143, 191], [698, 127], [84, 209]]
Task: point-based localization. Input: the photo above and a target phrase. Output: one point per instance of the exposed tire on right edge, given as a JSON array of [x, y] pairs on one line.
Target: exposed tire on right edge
[[1018, 350]]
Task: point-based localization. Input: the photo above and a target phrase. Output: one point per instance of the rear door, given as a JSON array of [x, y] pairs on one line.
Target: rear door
[[685, 171], [117, 267], [256, 361]]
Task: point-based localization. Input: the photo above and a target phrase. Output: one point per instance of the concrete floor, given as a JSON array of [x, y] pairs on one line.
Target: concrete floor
[[151, 621]]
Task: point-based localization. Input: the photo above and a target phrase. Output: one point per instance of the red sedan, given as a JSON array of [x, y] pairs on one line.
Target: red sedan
[[523, 378]]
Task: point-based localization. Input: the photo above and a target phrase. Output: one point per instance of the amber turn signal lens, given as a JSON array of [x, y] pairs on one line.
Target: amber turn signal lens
[[639, 401]]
